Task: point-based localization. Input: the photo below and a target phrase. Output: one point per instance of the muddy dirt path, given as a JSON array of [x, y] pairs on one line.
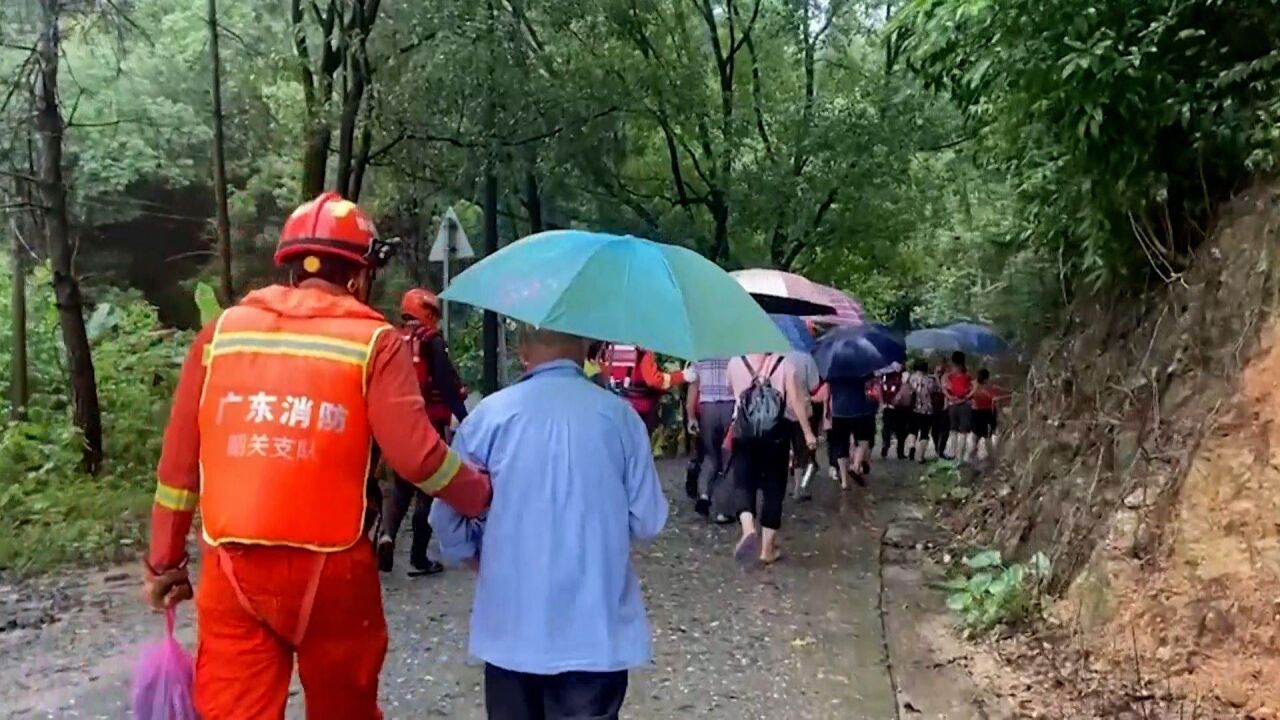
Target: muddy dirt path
[[801, 640]]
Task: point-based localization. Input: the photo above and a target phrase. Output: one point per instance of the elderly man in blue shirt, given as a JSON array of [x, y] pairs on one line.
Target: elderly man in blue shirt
[[558, 618]]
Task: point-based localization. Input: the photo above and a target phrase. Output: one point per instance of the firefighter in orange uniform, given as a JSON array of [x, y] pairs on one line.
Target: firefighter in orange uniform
[[443, 394], [634, 374], [280, 410]]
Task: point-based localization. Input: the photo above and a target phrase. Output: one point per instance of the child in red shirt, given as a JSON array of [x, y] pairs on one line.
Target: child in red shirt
[[985, 398]]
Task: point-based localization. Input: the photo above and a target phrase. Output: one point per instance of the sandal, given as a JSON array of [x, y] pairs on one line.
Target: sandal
[[747, 549]]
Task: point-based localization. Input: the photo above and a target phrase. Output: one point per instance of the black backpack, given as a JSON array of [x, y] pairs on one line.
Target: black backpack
[[760, 406]]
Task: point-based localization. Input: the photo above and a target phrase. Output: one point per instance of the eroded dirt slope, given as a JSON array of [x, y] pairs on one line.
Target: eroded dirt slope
[[1146, 462]]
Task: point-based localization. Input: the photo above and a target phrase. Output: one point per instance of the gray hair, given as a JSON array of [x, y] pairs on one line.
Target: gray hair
[[531, 335]]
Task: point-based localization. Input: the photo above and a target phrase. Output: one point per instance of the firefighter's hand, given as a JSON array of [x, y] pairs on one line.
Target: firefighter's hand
[[690, 374], [164, 590]]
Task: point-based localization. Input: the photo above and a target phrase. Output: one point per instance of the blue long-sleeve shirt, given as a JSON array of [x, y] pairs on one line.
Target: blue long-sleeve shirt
[[574, 485]]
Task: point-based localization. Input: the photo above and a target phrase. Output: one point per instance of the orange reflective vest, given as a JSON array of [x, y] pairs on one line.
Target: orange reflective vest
[[623, 374], [285, 442]]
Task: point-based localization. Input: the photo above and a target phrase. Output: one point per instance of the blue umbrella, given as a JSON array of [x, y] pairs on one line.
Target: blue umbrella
[[849, 353], [978, 339], [795, 331], [891, 331], [938, 339], [621, 289]]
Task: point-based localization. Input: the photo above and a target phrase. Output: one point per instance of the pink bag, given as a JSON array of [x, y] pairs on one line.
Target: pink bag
[[162, 681]]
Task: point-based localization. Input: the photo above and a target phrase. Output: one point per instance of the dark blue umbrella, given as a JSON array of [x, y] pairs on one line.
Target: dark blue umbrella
[[850, 353], [893, 332], [795, 331], [937, 339], [978, 339]]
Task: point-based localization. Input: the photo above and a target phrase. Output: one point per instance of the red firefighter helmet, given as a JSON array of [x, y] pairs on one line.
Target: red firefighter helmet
[[331, 225], [418, 303]]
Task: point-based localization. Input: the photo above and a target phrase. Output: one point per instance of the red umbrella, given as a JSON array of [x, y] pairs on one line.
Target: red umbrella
[[784, 293], [848, 311]]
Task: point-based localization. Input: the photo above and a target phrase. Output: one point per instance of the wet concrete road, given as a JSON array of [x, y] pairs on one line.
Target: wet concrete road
[[800, 640]]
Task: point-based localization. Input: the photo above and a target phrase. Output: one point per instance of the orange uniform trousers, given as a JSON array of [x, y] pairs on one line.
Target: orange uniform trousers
[[250, 628]]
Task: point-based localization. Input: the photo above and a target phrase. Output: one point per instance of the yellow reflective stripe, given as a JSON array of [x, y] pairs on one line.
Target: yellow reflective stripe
[[176, 498], [290, 344], [206, 357], [441, 478], [351, 345]]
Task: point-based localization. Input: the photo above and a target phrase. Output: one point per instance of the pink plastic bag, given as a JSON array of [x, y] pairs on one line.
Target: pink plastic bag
[[162, 681]]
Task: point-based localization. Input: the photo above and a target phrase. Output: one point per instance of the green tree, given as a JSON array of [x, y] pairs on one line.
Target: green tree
[[1121, 125]]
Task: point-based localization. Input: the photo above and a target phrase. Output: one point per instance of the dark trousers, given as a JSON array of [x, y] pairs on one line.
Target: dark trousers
[[760, 468], [895, 424], [510, 695], [713, 424], [395, 505], [941, 432], [922, 425]]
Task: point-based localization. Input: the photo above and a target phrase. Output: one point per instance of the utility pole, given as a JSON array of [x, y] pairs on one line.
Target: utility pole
[[223, 222], [451, 233], [490, 326], [490, 247]]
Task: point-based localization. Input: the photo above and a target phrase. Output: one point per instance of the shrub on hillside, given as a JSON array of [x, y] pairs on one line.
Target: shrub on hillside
[[51, 511], [1118, 125]]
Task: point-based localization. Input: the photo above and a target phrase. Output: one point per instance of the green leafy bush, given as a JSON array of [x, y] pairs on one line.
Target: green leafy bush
[[1119, 125], [50, 511], [943, 482], [988, 593]]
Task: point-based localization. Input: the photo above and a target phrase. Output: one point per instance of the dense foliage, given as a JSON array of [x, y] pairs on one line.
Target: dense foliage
[[1119, 125], [49, 510], [773, 132]]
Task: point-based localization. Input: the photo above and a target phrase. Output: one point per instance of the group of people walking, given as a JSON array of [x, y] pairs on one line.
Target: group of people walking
[[945, 410], [289, 402], [738, 474]]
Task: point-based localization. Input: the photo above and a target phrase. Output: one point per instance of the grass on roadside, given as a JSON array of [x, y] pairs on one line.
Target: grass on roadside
[[83, 521]]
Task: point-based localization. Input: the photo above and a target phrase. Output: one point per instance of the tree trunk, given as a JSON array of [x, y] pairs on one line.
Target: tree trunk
[[532, 194], [222, 223], [315, 156], [53, 194], [360, 164], [720, 237], [355, 80], [18, 390], [317, 89], [347, 128]]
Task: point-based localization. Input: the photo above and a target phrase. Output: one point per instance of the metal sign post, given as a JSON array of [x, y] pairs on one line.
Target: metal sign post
[[451, 230], [450, 242]]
